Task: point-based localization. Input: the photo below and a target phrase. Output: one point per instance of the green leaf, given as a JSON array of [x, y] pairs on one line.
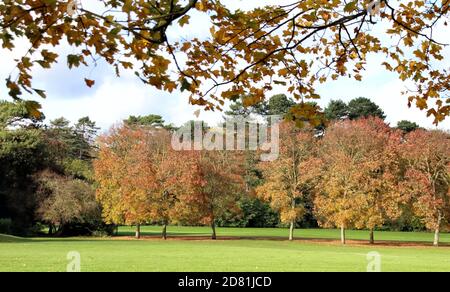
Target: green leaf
[[116, 30], [73, 60], [351, 6], [185, 85]]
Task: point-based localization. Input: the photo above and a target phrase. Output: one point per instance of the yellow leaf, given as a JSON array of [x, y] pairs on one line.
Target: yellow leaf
[[184, 20]]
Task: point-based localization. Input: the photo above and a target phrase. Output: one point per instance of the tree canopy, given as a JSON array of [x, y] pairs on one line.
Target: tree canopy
[[357, 108], [407, 126], [247, 52]]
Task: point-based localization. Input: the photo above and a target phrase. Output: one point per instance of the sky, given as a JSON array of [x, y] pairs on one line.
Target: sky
[[113, 99]]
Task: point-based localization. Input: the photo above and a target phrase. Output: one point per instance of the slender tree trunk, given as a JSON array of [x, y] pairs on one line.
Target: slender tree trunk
[[343, 239], [372, 237], [164, 231], [213, 226], [291, 231], [138, 231], [436, 237], [437, 232]]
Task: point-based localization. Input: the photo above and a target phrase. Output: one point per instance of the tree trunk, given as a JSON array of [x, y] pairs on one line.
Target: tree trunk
[[436, 237], [437, 232], [372, 237], [291, 231], [343, 239], [164, 232], [50, 230], [138, 231], [213, 226]]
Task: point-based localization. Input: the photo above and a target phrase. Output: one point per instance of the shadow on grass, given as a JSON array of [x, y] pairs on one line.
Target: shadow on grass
[[329, 241], [159, 234], [149, 236]]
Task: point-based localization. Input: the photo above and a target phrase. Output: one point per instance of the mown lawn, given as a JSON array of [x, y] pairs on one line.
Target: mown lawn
[[121, 254]]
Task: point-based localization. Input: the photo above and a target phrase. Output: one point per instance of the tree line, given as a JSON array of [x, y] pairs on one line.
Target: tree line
[[350, 170], [353, 172]]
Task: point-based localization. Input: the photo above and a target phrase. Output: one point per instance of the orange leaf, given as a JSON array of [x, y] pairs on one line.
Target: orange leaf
[[89, 82]]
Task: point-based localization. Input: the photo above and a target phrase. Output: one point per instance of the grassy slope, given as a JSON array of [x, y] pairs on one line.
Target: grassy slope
[[238, 255], [12, 239]]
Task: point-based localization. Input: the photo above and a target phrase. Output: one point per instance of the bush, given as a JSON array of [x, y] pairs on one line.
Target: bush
[[5, 226]]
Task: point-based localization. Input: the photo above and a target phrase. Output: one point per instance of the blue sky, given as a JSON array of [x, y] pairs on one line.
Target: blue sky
[[113, 99]]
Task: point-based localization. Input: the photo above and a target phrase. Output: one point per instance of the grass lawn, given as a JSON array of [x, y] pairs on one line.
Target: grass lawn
[[121, 254]]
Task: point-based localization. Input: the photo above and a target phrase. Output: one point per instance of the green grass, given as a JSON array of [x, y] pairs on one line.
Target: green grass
[[121, 254]]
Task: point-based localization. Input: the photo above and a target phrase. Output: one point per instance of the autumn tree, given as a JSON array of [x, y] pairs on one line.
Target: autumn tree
[[208, 185], [137, 176], [297, 45], [289, 179], [124, 174], [223, 177], [358, 186], [427, 177], [164, 200], [65, 202]]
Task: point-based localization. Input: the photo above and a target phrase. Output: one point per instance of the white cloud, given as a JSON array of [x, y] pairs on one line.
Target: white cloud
[[113, 99], [117, 98]]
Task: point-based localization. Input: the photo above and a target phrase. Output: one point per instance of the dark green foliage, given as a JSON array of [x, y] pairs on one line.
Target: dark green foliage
[[253, 213], [26, 149], [363, 107], [336, 110], [237, 108], [22, 153], [258, 214], [86, 133], [5, 225], [407, 126], [279, 105], [149, 120], [14, 113], [360, 107]]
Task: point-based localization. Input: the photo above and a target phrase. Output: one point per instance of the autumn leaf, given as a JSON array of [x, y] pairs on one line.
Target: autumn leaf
[[184, 20], [40, 92], [89, 82]]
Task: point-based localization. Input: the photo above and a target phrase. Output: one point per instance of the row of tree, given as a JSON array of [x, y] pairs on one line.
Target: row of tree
[[358, 173], [362, 174], [47, 174]]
